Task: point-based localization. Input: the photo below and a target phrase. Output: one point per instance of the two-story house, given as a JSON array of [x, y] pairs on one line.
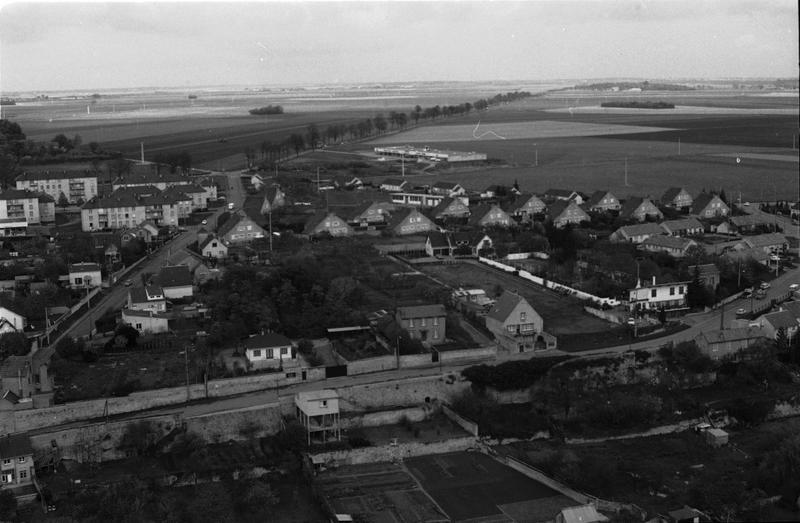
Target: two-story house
[[84, 274], [426, 323], [708, 205], [270, 350], [516, 325], [784, 320], [565, 212], [656, 296], [16, 461], [147, 298], [240, 229], [410, 221], [451, 208], [212, 247], [323, 222], [603, 201], [640, 209], [525, 207], [677, 198], [490, 215]]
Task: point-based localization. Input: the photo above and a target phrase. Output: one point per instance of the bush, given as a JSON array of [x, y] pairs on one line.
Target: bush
[[751, 411], [68, 348], [511, 374]]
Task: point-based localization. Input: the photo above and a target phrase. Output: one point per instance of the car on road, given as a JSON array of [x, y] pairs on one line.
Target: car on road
[[764, 286], [631, 322], [204, 222], [230, 206], [128, 283], [794, 287], [741, 312], [761, 294]]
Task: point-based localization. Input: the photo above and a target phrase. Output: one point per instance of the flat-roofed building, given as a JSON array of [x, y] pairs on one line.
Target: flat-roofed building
[[318, 412]]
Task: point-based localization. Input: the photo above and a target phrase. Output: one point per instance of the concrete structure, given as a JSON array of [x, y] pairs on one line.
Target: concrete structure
[[16, 461], [16, 204], [147, 298], [84, 274], [717, 344], [176, 281], [525, 207], [708, 205], [674, 246], [426, 323], [270, 350], [75, 186], [146, 321], [327, 222], [603, 201], [565, 212], [516, 325], [410, 221], [318, 412], [677, 198], [668, 296], [636, 233], [716, 437], [640, 209], [685, 227], [241, 229], [490, 215]]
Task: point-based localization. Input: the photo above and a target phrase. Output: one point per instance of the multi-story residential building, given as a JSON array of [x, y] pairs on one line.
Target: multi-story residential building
[[425, 323], [47, 208], [76, 187], [677, 198], [19, 204], [144, 175], [127, 207], [656, 296]]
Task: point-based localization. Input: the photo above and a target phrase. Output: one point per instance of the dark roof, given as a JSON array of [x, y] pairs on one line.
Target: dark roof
[[505, 305], [670, 194], [148, 177], [728, 335], [83, 267], [668, 242], [318, 217], [793, 307], [174, 276], [421, 311], [55, 174], [438, 240], [270, 339], [17, 194], [765, 240], [682, 224], [704, 269], [45, 198], [233, 221], [477, 214], [140, 195], [209, 239], [630, 205], [445, 185], [140, 294], [641, 228], [597, 197], [394, 182], [559, 193], [400, 215], [520, 201], [15, 445], [701, 202]]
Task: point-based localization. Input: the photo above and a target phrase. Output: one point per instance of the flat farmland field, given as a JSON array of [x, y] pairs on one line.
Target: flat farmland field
[[561, 315]]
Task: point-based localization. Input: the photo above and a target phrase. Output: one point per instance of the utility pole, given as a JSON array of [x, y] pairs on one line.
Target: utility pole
[[270, 230], [679, 145], [186, 366]]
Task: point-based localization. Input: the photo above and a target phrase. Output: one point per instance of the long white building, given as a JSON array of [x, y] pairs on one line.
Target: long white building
[[76, 186]]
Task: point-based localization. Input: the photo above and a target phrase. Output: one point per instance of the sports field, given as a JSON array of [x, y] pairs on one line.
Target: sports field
[[470, 485]]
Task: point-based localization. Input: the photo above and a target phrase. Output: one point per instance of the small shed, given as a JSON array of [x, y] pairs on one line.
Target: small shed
[[716, 437]]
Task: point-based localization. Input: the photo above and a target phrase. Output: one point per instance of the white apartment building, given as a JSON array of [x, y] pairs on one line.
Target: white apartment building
[[76, 186]]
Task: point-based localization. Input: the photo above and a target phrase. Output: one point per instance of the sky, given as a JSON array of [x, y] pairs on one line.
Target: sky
[[81, 46]]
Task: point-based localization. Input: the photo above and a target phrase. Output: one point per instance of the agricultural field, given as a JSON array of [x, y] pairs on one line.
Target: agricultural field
[[473, 485]]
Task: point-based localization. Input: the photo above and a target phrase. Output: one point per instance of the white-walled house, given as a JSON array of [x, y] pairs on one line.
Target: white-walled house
[[176, 281], [270, 350], [148, 298], [84, 274], [657, 296], [146, 322], [11, 321]]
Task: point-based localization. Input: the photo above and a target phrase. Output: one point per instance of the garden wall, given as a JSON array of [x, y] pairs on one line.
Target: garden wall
[[367, 365], [481, 353], [386, 417], [400, 393], [392, 453], [468, 425], [415, 360]]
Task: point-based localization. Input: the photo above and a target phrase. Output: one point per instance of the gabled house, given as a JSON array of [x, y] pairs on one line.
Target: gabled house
[[525, 207], [516, 325], [564, 212], [472, 243], [212, 247], [747, 223], [448, 189], [270, 350], [394, 185], [677, 198], [240, 229], [425, 323], [603, 201], [274, 198], [16, 375], [655, 296], [636, 233], [719, 343], [672, 245], [438, 244], [707, 273], [145, 231], [11, 320], [640, 209], [775, 321], [84, 274], [366, 214], [743, 254], [323, 222], [486, 215], [16, 461], [176, 282], [145, 321], [774, 243], [410, 221], [147, 298], [708, 205], [451, 208], [563, 194], [685, 227]]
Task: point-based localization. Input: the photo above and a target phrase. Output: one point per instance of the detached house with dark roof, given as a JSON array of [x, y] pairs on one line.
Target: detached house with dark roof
[[147, 298], [775, 321], [685, 227], [367, 214], [708, 205], [525, 207], [425, 323], [438, 244], [640, 209], [323, 222], [603, 201], [517, 326], [565, 212], [16, 461], [410, 221], [240, 229], [448, 189], [176, 282], [270, 351], [451, 208], [490, 215], [636, 233], [677, 198], [85, 274]]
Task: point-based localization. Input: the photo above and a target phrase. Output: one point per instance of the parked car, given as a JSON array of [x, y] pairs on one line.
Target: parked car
[[794, 287], [741, 312], [128, 283], [764, 286], [761, 294], [204, 222]]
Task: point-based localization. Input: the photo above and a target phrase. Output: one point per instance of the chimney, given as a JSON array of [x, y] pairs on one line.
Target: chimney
[[654, 280]]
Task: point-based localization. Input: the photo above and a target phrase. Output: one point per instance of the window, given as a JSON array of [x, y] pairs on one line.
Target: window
[[6, 461], [21, 459], [680, 289], [422, 322], [410, 323], [436, 321], [23, 474], [138, 326], [672, 291], [323, 404], [270, 354], [521, 317], [284, 350], [257, 353], [510, 328], [653, 293]]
